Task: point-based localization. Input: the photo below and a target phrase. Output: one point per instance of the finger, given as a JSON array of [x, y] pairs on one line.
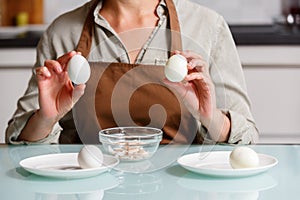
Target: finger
[[195, 76], [176, 52], [42, 72], [197, 64], [64, 59], [200, 83], [191, 55], [172, 84], [53, 66], [179, 87]]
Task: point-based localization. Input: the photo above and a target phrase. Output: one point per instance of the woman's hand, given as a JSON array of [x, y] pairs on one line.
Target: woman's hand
[[56, 92], [197, 90], [198, 94], [56, 98]]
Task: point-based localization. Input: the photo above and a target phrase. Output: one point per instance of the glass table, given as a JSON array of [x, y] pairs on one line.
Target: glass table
[[166, 181]]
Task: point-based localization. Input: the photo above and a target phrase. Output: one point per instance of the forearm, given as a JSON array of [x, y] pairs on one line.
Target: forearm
[[37, 128], [218, 126]]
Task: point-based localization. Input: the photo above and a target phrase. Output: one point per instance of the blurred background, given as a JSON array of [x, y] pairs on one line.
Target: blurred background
[[267, 34], [235, 11]]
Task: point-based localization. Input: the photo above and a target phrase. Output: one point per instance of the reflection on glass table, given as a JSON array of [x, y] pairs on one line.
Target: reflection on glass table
[[169, 181]]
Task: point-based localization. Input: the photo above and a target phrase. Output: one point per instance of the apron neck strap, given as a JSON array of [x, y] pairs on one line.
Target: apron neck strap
[[176, 43], [85, 41]]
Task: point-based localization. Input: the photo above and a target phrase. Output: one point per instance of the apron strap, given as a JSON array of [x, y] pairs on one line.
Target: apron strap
[[176, 43], [85, 41]]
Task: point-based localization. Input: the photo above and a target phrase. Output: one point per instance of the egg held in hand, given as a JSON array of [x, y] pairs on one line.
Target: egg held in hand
[[90, 156], [176, 68], [78, 69], [243, 157]]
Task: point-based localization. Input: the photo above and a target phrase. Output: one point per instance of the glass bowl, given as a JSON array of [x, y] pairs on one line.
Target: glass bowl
[[131, 143]]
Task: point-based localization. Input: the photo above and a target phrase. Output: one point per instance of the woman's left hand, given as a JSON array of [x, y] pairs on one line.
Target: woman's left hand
[[197, 90], [198, 94]]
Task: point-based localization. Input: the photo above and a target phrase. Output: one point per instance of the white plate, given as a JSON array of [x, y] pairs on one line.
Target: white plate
[[216, 163], [64, 165]]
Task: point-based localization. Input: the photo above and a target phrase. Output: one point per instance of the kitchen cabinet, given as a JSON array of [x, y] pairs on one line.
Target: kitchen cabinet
[[275, 101], [15, 71], [9, 10], [272, 75]]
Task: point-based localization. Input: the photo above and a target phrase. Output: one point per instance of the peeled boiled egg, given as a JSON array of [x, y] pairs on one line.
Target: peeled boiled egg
[[243, 157], [79, 69], [90, 156], [176, 68]]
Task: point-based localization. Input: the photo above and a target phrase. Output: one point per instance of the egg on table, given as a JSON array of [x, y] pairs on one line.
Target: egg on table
[[90, 156], [243, 157], [78, 69], [176, 68]]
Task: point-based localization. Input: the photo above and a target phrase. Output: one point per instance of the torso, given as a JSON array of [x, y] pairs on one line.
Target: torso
[[133, 40], [132, 30], [131, 94]]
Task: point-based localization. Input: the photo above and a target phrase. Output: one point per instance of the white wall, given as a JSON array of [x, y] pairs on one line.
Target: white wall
[[13, 82], [245, 11], [234, 11], [53, 8]]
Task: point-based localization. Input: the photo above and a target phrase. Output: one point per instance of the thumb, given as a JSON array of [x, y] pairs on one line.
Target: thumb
[[78, 92], [187, 95], [176, 86]]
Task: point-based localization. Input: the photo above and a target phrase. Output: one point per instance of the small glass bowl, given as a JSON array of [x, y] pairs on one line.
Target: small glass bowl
[[131, 143]]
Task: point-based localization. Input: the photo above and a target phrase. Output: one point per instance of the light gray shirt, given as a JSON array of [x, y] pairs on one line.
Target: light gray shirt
[[203, 31]]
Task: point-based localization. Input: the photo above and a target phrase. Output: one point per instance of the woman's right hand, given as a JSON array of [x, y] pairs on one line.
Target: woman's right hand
[[57, 95], [56, 98]]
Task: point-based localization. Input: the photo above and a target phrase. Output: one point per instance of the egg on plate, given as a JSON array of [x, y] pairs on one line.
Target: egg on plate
[[243, 157], [90, 156]]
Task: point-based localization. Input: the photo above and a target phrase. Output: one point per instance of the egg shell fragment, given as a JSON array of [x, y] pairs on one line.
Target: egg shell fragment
[[79, 69], [176, 68], [90, 156], [243, 157]]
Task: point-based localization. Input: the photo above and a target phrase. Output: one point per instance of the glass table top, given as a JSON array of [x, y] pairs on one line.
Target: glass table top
[[163, 179]]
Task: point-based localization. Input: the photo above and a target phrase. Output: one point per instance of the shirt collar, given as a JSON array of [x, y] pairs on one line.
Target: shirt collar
[[161, 11]]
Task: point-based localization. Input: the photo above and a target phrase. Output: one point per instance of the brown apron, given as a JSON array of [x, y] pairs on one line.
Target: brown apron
[[120, 94]]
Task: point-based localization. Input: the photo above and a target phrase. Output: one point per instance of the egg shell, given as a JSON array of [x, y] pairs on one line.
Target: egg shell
[[176, 68], [90, 156], [79, 69], [243, 157]]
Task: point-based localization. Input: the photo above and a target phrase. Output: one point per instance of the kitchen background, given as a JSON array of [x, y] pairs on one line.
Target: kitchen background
[[235, 11], [271, 64]]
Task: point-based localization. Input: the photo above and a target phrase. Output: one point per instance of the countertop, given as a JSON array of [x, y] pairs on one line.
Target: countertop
[[242, 34], [27, 39], [265, 35], [258, 45], [170, 181]]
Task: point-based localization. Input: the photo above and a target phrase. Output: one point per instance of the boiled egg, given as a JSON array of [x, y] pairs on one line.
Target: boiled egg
[[176, 68], [78, 69], [243, 157], [90, 156]]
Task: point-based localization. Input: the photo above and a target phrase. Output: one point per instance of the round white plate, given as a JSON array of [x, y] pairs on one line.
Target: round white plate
[[216, 163], [64, 165]]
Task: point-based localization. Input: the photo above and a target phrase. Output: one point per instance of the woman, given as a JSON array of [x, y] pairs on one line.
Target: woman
[[118, 35]]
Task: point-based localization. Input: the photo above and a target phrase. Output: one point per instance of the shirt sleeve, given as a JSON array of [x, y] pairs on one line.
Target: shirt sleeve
[[55, 42], [231, 93], [28, 103]]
